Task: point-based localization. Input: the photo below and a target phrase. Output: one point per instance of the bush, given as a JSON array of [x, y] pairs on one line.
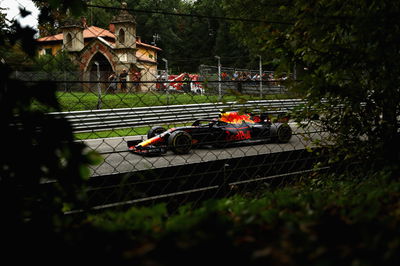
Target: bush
[[337, 223]]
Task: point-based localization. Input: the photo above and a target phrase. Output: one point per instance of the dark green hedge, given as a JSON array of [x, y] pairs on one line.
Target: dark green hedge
[[338, 223]]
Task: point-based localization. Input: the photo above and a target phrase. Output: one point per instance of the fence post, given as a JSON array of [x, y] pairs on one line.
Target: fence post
[[166, 73], [261, 86], [98, 86], [219, 77]]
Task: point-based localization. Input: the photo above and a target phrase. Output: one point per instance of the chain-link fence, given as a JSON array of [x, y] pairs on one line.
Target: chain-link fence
[[166, 135], [246, 81]]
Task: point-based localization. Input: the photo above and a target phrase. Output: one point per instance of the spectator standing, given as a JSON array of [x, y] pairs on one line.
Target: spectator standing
[[235, 75], [239, 83], [122, 78], [247, 76], [224, 75], [136, 80], [186, 83], [113, 83]]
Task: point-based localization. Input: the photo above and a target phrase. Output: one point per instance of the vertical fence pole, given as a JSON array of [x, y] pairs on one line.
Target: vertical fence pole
[[98, 85], [219, 77], [261, 86], [166, 73]]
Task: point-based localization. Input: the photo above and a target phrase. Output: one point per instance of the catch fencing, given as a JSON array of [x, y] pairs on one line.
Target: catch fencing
[[247, 81], [107, 114]]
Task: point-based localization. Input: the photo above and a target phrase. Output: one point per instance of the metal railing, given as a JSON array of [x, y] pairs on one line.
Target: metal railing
[[95, 120]]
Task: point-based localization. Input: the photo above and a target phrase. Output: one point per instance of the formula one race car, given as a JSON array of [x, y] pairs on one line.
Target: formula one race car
[[229, 128]]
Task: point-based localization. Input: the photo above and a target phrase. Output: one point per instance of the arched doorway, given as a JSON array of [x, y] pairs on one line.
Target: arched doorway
[[99, 66]]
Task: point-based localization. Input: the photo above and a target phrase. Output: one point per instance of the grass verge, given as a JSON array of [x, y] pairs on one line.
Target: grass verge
[[77, 101]]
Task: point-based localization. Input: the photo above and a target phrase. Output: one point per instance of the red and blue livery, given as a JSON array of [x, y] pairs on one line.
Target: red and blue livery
[[229, 128]]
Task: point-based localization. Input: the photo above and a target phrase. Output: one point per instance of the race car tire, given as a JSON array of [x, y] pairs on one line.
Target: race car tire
[[283, 133], [154, 131], [180, 142]]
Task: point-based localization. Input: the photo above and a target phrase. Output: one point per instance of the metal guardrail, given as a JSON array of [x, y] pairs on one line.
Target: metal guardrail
[[106, 119]]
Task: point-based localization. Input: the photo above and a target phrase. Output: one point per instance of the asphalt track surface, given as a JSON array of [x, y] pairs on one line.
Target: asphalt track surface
[[117, 158]]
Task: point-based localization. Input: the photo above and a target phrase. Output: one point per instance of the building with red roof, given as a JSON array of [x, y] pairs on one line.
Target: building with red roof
[[106, 51]]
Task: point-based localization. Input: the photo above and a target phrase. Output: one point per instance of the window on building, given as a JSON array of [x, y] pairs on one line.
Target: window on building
[[68, 40], [48, 51], [121, 36]]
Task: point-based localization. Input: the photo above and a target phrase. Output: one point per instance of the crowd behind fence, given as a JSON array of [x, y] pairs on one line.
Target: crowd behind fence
[[203, 83]]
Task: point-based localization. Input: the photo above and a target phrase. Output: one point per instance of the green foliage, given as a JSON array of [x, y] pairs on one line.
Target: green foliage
[[259, 37], [141, 221], [54, 12], [75, 7], [323, 221], [345, 52], [98, 16], [338, 221], [58, 63], [38, 148], [186, 41], [16, 43], [43, 171]]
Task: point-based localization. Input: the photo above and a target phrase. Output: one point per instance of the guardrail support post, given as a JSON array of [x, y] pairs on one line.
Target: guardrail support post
[[224, 187]]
